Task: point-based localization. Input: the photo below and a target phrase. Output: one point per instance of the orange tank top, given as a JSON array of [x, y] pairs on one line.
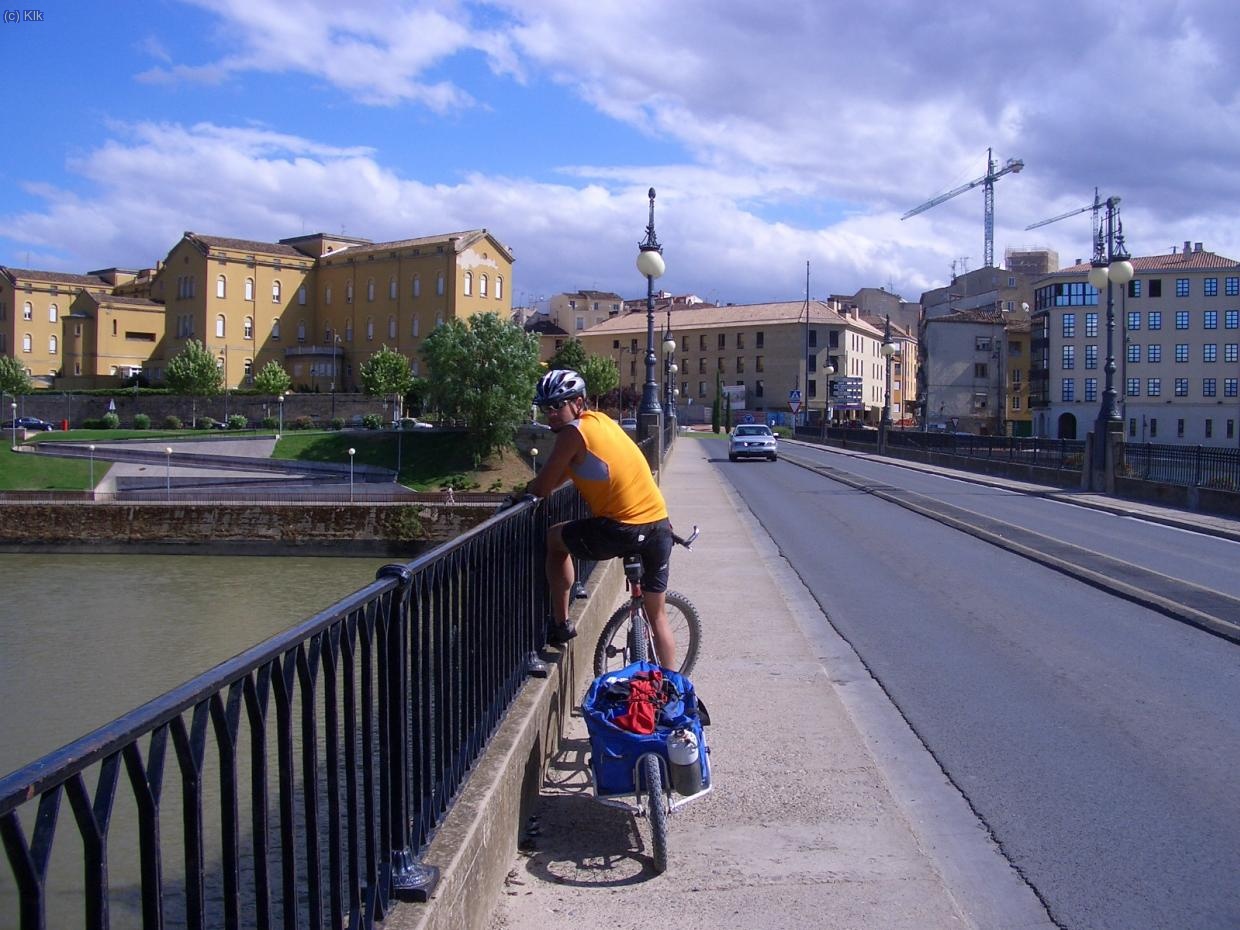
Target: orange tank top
[[614, 477]]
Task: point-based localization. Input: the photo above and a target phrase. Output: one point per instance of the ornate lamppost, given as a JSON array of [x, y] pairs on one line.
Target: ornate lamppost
[[650, 415], [827, 371], [669, 368], [888, 350], [1111, 266]]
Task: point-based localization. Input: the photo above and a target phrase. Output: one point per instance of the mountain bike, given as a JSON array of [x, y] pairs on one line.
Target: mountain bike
[[626, 637]]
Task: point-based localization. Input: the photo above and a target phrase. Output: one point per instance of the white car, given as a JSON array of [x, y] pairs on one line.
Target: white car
[[753, 441]]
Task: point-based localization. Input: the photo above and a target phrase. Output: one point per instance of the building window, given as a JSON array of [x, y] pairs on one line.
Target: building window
[[1134, 352], [1153, 387], [759, 363], [413, 327], [1015, 401], [27, 311], [348, 330], [1209, 352], [1211, 287], [247, 328], [1209, 387], [757, 340], [1181, 287], [1134, 288], [1153, 352], [1091, 356], [327, 295], [469, 283], [1181, 319], [1229, 389], [275, 330], [759, 388], [1134, 320], [1067, 390], [1091, 326], [1069, 330], [370, 290], [391, 327], [1153, 427], [1231, 352], [1132, 388], [392, 285], [811, 385], [370, 329], [221, 287], [275, 292], [249, 288], [417, 286], [1209, 319], [348, 292], [301, 295], [249, 371], [27, 343], [53, 313], [439, 284], [1232, 287], [1179, 428], [1069, 357], [579, 323], [1181, 387], [499, 291], [1231, 319], [1155, 287], [51, 345], [301, 330], [721, 341], [1181, 351], [1154, 319], [702, 366], [1209, 428], [1091, 389], [482, 287], [813, 338], [740, 341], [981, 370], [219, 326]]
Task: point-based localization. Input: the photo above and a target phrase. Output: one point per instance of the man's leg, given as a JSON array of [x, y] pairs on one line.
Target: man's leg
[[664, 641], [559, 572]]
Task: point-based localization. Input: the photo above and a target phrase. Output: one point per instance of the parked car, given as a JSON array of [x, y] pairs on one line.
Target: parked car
[[30, 423], [629, 423], [752, 441]]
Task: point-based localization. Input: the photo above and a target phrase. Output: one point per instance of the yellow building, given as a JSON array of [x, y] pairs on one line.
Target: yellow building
[[755, 350], [317, 304]]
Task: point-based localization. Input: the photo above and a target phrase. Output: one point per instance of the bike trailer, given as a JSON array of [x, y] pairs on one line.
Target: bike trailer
[[639, 695]]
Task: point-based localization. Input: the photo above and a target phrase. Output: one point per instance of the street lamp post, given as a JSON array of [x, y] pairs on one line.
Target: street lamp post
[[400, 436], [650, 417], [168, 472], [13, 416], [92, 465], [827, 371], [669, 366], [889, 349], [280, 431], [352, 452], [1110, 267]]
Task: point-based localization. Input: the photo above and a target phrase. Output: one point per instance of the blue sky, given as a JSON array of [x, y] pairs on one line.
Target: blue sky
[[774, 134]]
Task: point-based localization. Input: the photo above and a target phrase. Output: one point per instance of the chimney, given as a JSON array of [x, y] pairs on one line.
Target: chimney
[[1188, 246], [1197, 246]]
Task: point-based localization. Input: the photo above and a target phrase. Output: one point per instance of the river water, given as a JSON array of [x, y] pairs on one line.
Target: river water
[[85, 638]]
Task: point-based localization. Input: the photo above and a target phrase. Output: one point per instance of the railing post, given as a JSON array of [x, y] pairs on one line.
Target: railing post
[[411, 879], [1197, 468]]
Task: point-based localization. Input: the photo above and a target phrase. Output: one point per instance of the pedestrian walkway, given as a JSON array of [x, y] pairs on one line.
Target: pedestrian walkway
[[827, 812]]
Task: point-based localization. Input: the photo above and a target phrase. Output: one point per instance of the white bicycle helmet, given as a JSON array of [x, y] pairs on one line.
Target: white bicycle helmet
[[559, 384]]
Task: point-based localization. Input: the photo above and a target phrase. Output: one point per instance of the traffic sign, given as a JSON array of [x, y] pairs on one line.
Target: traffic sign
[[794, 401]]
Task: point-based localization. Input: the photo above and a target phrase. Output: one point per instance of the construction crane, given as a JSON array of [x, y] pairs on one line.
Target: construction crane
[[1095, 206], [1013, 166]]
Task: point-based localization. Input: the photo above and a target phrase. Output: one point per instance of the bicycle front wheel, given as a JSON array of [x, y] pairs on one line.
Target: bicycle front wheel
[[656, 811], [612, 652]]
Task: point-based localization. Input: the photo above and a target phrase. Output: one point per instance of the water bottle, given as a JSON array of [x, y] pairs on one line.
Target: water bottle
[[684, 766]]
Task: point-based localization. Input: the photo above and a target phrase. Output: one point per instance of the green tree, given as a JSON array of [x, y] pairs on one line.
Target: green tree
[[483, 372], [387, 372], [272, 379], [570, 355], [601, 375], [716, 411], [194, 371], [13, 377]]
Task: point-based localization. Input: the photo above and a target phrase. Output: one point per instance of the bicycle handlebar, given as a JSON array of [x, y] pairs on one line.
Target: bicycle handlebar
[[687, 543]]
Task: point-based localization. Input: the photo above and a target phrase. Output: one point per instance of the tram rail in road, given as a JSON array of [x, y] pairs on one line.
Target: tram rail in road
[[1184, 601]]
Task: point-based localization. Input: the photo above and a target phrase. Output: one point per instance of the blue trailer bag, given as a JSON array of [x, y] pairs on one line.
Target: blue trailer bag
[[615, 750]]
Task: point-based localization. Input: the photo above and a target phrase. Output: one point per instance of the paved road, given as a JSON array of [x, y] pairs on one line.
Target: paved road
[[1098, 740]]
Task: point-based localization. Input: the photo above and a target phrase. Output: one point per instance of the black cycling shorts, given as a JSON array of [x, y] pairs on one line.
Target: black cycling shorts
[[600, 538]]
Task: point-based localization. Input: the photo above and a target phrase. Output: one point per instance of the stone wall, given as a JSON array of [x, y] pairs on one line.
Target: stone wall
[[230, 529]]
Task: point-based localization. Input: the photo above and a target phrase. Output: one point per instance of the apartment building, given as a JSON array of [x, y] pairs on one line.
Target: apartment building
[[577, 311], [1176, 345], [318, 304], [755, 350]]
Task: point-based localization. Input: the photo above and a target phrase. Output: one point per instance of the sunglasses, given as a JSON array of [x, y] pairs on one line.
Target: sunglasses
[[556, 404]]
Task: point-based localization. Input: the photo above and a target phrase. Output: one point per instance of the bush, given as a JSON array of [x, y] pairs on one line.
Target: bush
[[110, 421], [303, 423], [172, 421], [372, 421], [141, 421], [205, 423], [270, 423], [337, 423], [237, 421]]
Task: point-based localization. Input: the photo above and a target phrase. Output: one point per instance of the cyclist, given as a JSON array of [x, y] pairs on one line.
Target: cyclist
[[627, 507]]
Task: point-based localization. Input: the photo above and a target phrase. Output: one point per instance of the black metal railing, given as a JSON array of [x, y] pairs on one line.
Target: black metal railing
[[1062, 454], [315, 818], [1191, 466]]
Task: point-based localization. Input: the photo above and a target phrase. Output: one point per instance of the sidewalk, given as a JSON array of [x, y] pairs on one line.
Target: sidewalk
[[827, 812]]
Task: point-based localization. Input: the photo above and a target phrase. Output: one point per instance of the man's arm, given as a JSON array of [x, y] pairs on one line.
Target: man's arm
[[569, 445]]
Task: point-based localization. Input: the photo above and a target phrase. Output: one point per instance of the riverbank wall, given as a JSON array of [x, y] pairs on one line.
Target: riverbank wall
[[231, 529]]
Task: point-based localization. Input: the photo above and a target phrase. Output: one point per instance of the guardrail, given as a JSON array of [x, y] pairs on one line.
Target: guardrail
[[1190, 466], [1063, 454], [381, 703]]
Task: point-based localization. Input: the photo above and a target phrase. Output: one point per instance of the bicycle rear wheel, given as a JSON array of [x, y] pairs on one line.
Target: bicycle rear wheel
[[613, 650], [656, 811]]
